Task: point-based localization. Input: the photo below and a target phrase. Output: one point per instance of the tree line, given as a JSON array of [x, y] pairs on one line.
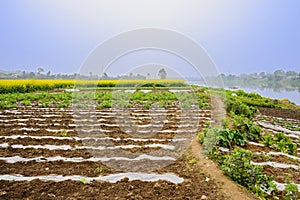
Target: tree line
[[41, 74], [278, 78]]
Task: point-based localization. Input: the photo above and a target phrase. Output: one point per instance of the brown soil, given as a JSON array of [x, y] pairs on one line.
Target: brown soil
[[195, 186], [32, 168], [102, 190], [277, 158], [31, 152], [280, 112], [91, 142], [218, 110], [255, 148], [283, 175]]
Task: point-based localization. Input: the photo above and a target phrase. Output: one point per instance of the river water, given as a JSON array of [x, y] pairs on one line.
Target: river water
[[292, 94]]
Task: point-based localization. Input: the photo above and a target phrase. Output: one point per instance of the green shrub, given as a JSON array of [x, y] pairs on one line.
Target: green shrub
[[227, 138], [284, 144], [291, 192], [268, 141], [105, 104], [238, 166], [239, 108], [225, 122], [281, 137], [281, 145], [223, 137], [246, 127], [291, 148], [201, 138]]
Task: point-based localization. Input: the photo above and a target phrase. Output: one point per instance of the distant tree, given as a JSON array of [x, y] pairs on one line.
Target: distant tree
[[231, 76], [31, 74], [222, 75], [279, 72], [162, 73], [91, 74], [148, 75], [48, 73], [262, 74], [291, 73], [40, 70]]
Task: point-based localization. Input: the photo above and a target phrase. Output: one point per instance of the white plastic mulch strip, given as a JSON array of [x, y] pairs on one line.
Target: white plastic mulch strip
[[4, 145], [103, 130], [112, 178], [91, 138], [280, 118], [281, 186], [178, 131], [284, 154], [58, 130], [224, 149], [68, 147], [15, 159], [256, 144], [27, 129], [22, 120], [278, 128], [276, 165]]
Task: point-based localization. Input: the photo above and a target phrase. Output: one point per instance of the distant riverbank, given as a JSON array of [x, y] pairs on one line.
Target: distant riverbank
[[291, 93]]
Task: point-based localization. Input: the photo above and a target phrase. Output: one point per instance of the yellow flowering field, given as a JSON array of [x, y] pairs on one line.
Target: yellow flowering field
[[10, 86]]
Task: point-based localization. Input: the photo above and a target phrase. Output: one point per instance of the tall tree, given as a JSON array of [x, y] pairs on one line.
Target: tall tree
[[162, 73]]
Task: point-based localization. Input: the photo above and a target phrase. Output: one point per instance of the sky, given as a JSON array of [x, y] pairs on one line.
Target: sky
[[240, 36]]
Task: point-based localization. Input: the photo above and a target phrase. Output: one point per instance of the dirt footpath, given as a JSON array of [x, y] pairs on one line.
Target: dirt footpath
[[226, 186]]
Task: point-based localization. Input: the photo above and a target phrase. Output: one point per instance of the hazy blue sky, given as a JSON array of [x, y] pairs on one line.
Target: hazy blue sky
[[240, 36]]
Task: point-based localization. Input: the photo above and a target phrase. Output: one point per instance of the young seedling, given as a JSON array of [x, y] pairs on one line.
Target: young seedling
[[64, 133], [192, 161], [268, 141], [83, 180], [99, 170]]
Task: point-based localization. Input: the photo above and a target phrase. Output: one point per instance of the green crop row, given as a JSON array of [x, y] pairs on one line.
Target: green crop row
[[280, 142], [238, 129], [255, 100], [104, 99]]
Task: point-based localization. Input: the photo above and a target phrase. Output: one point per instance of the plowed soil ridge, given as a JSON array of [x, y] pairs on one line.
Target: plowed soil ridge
[[195, 185]]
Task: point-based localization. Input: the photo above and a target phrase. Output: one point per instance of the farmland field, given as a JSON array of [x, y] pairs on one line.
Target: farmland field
[[49, 149], [124, 143]]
